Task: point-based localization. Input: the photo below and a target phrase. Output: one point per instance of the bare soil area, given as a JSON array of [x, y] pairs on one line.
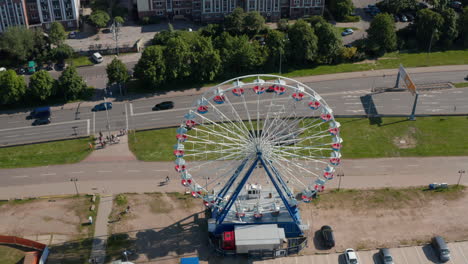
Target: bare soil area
[[367, 219], [62, 217], [162, 226]]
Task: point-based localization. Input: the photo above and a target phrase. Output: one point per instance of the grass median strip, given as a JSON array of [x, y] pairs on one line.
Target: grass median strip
[[363, 138], [461, 85], [42, 154]]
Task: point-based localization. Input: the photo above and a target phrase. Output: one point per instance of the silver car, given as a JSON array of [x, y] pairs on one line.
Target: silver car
[[385, 256]]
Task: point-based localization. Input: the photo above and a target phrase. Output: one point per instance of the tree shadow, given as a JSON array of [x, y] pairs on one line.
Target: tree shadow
[[78, 251]]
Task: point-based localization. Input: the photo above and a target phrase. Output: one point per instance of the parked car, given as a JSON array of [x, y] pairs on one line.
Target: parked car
[[2, 69], [97, 57], [457, 5], [350, 256], [72, 35], [410, 17], [327, 235], [441, 248], [385, 255], [164, 106], [21, 71], [102, 106], [403, 18], [347, 32], [40, 122]]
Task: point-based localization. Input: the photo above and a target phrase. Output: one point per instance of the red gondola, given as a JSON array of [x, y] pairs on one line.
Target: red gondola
[[314, 105], [238, 91], [298, 96]]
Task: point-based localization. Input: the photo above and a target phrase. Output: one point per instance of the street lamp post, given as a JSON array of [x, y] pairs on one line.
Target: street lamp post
[[459, 178], [339, 175], [74, 180], [430, 45], [107, 117]]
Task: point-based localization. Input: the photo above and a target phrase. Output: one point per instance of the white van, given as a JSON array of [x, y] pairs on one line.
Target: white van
[[97, 57]]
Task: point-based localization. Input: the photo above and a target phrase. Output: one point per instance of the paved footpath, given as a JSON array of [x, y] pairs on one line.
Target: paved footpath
[[98, 252]]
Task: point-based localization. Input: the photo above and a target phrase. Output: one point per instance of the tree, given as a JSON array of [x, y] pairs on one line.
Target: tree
[[57, 33], [151, 68], [329, 42], [99, 18], [177, 58], [343, 8], [70, 84], [450, 27], [41, 85], [283, 25], [12, 87], [303, 42], [381, 35], [428, 27], [253, 23], [22, 43], [161, 38], [276, 45], [234, 22], [61, 53], [117, 72], [398, 6], [119, 20], [205, 61], [464, 27]]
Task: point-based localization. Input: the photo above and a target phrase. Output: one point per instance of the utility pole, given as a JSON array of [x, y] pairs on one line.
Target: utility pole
[[430, 45], [74, 180], [339, 175], [459, 178]]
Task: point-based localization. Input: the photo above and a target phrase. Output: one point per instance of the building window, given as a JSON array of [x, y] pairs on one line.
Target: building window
[[187, 11], [296, 2], [158, 3], [177, 3], [160, 13], [318, 2], [251, 4], [207, 7]]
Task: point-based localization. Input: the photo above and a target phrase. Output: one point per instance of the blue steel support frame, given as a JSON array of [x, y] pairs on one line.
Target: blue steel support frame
[[228, 185], [232, 199], [280, 180], [286, 203]]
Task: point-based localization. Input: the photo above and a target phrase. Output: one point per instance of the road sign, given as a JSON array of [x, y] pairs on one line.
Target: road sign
[[407, 80]]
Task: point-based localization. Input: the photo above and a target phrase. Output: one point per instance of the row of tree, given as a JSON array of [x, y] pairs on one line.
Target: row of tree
[[42, 87], [212, 52], [436, 28], [20, 44]]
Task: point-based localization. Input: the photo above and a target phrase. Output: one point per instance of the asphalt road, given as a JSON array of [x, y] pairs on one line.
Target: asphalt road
[[344, 96]]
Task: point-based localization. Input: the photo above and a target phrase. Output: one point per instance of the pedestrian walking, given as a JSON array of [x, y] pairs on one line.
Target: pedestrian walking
[[167, 179], [100, 134]]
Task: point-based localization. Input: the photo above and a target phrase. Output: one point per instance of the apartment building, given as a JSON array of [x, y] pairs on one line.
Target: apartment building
[[37, 13], [12, 13], [216, 10]]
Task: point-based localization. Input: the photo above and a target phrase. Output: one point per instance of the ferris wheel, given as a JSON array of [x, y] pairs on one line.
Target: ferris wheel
[[254, 146]]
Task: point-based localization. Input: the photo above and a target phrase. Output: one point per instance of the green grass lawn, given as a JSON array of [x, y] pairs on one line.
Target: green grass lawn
[[80, 61], [393, 137], [59, 152], [461, 85], [9, 255]]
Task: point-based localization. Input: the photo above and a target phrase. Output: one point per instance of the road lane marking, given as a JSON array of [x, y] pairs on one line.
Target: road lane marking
[[48, 174], [131, 109], [104, 171], [76, 172], [133, 170], [13, 136], [30, 134], [160, 170], [49, 125], [21, 176], [155, 119]]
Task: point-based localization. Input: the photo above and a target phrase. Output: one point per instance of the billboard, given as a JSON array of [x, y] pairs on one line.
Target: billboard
[[407, 80]]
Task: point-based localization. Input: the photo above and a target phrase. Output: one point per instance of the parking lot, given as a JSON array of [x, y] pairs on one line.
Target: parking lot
[[406, 255]]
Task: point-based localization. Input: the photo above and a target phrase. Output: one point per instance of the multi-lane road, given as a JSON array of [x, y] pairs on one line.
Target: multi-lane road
[[346, 97]]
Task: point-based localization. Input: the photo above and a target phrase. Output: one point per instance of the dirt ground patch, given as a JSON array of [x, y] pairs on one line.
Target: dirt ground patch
[[62, 217], [406, 141], [163, 226], [387, 217]]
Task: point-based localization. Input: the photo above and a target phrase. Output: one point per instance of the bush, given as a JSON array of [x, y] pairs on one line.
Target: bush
[[145, 20], [121, 200], [351, 19]]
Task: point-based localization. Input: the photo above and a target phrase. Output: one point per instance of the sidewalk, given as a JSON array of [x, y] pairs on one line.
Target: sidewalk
[[306, 79], [98, 252], [112, 152]]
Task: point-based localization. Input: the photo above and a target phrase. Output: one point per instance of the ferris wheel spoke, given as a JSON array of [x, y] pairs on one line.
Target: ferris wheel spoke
[[286, 154], [233, 126], [239, 119], [200, 141], [296, 164], [247, 112], [288, 171], [221, 135]]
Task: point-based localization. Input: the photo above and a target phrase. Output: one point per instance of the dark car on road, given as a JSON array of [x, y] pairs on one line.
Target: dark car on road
[[39, 122], [102, 106], [386, 256], [327, 235], [39, 113], [164, 106]]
